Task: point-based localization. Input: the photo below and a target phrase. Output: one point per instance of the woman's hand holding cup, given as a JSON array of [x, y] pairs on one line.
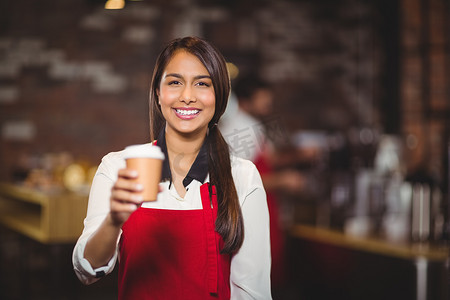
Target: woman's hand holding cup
[[137, 183], [126, 196]]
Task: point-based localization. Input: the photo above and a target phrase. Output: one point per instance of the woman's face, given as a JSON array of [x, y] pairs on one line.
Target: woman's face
[[186, 95]]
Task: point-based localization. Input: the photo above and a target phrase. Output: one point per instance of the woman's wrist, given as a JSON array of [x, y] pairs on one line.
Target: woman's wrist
[[112, 222]]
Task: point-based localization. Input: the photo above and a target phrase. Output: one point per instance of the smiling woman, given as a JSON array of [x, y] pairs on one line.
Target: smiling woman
[[189, 243], [186, 93]]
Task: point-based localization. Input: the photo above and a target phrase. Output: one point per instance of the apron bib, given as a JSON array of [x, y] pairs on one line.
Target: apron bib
[[174, 254]]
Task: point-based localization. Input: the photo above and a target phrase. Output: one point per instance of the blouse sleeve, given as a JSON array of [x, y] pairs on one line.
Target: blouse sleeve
[[98, 208], [250, 266]]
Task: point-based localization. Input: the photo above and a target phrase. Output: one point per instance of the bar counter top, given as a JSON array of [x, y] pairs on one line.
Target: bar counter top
[[374, 245]]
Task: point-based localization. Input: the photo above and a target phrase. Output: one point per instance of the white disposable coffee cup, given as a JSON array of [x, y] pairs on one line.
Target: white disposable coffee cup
[[147, 160]]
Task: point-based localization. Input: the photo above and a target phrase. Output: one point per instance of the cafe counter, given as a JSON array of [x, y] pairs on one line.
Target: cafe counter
[[326, 263]]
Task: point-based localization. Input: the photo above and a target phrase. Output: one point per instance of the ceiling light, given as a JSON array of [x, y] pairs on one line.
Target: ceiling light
[[115, 4]]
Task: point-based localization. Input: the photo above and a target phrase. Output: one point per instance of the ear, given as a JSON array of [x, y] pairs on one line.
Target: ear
[[157, 94]]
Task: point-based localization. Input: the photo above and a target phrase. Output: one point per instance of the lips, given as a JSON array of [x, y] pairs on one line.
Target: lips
[[186, 113]]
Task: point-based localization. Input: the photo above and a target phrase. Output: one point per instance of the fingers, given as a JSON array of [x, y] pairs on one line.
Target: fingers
[[128, 173], [123, 206], [125, 189], [125, 196], [123, 184]]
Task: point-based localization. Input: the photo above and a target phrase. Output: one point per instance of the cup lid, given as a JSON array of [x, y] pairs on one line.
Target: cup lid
[[143, 151]]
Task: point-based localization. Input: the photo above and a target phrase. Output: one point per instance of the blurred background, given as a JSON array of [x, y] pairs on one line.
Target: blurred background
[[361, 112]]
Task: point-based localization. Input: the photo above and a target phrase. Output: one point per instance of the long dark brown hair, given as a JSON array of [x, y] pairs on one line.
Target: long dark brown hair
[[229, 223]]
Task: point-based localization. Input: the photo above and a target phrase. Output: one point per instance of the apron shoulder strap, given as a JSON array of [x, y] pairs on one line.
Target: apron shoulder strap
[[209, 202]]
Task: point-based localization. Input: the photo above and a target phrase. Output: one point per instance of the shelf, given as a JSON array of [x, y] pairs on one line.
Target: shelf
[[48, 217], [26, 223]]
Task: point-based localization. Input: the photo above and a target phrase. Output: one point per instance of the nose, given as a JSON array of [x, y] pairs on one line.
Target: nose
[[187, 96]]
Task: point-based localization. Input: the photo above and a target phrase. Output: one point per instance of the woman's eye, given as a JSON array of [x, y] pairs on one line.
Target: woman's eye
[[201, 83], [174, 82]]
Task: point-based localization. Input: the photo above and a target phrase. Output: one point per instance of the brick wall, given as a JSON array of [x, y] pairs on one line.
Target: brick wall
[[74, 77], [424, 85]]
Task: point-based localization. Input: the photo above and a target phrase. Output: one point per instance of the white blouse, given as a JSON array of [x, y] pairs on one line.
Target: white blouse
[[250, 266]]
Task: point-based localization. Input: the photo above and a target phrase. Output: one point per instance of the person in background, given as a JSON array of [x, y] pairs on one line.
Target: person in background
[[251, 128], [207, 234]]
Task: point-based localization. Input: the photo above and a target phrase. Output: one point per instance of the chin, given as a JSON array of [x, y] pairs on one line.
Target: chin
[[190, 131]]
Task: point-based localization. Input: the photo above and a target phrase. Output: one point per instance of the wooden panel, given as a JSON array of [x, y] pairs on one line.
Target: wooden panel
[[55, 217]]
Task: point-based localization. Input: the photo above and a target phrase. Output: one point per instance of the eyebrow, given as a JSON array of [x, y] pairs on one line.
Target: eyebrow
[[180, 76]]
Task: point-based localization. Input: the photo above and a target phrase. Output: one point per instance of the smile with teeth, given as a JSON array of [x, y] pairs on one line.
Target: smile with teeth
[[187, 112]]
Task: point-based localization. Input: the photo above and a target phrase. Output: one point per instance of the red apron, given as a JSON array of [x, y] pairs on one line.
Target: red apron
[[277, 242], [174, 254]]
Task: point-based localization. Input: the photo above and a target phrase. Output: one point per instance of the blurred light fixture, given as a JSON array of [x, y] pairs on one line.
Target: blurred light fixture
[[115, 4], [233, 70]]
